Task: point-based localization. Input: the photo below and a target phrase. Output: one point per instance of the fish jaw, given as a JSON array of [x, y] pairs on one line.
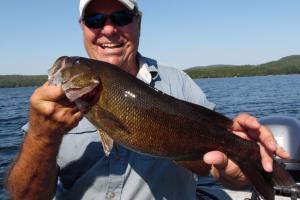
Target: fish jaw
[[84, 98], [80, 85], [54, 73], [75, 92]]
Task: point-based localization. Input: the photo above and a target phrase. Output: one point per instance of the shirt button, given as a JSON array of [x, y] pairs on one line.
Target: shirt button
[[111, 195]]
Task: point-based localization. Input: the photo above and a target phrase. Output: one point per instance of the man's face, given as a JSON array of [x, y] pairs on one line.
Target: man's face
[[117, 45]]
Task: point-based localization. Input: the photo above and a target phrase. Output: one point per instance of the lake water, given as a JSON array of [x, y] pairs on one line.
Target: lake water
[[13, 115], [260, 96]]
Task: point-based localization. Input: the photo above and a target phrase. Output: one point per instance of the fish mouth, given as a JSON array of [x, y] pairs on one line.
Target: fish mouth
[[91, 97], [84, 95], [84, 98]]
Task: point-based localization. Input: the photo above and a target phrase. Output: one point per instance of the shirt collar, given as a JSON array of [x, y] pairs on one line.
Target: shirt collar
[[148, 70]]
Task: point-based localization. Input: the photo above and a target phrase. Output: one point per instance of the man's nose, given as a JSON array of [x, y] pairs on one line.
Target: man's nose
[[109, 28]]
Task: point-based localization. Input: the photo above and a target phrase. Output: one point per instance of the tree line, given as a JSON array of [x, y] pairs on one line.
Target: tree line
[[285, 65], [10, 81]]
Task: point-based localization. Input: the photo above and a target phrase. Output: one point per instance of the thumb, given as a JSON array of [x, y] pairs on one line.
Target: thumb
[[216, 158]]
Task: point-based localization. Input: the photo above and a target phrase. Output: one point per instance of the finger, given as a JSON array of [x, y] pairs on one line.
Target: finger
[[53, 94], [50, 93], [66, 114], [266, 158], [218, 161], [282, 153], [245, 135], [74, 110], [63, 124], [216, 158], [223, 165], [248, 134], [270, 142], [76, 118], [245, 121], [255, 131], [267, 138], [224, 169]]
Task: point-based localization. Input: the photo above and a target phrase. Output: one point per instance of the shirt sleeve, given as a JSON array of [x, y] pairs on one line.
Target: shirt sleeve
[[24, 129], [194, 94]]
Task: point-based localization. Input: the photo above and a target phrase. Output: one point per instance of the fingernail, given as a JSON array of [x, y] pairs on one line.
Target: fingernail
[[269, 167], [285, 154]]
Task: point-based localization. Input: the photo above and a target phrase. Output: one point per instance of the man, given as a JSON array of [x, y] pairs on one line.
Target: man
[[52, 163]]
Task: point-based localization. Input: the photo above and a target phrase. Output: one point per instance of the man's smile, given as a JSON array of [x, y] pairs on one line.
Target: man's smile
[[111, 45]]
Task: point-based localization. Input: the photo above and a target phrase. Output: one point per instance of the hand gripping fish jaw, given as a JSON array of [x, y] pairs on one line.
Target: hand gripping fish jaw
[[81, 87]]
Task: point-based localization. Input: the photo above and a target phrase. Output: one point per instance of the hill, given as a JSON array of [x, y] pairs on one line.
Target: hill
[[285, 65]]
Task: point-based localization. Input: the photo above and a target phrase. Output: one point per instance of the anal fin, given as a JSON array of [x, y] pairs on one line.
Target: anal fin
[[106, 141]]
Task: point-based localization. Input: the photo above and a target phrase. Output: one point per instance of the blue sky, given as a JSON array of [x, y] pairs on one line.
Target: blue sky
[[178, 33]]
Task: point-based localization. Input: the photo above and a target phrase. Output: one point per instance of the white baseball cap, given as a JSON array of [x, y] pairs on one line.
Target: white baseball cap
[[130, 4]]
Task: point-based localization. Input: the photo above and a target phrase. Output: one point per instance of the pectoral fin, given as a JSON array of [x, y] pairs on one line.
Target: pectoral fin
[[196, 166], [106, 141], [110, 121]]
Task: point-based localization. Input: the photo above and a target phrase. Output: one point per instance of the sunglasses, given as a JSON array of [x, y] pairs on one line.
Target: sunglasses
[[119, 18]]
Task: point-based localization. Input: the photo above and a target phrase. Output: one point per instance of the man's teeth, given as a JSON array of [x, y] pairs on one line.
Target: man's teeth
[[110, 45]]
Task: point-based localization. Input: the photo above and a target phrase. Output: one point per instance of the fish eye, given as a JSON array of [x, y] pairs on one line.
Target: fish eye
[[77, 61]]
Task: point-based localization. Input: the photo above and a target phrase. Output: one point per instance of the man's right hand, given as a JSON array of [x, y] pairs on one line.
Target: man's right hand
[[51, 114], [33, 175]]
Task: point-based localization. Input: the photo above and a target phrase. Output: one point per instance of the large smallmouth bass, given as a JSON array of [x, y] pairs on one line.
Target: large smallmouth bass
[[148, 121]]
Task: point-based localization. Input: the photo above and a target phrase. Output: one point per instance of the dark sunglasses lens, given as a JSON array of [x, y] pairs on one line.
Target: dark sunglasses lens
[[122, 18], [96, 21]]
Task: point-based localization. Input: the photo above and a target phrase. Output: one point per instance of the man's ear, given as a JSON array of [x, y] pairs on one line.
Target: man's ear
[[140, 24], [81, 23]]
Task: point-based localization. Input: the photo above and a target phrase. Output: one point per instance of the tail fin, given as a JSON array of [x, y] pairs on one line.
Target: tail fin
[[265, 182], [281, 178]]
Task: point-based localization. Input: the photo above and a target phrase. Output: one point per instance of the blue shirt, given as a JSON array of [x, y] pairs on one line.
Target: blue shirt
[[86, 173]]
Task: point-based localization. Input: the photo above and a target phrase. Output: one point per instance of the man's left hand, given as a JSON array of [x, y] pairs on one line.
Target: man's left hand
[[245, 126]]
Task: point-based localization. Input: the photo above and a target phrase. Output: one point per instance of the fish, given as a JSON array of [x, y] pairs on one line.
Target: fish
[[131, 113]]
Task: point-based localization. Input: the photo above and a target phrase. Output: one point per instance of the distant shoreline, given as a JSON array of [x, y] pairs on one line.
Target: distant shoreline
[[38, 80], [14, 81], [284, 66]]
